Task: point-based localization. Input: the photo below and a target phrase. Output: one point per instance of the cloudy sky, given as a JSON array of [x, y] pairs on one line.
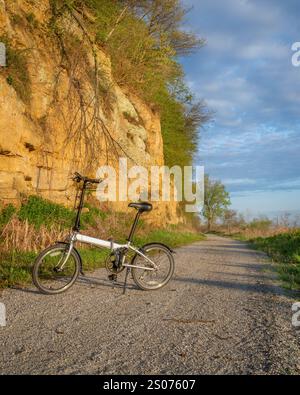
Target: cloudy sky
[[246, 76]]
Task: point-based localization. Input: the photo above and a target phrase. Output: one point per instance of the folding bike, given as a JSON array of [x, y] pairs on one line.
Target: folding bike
[[57, 268]]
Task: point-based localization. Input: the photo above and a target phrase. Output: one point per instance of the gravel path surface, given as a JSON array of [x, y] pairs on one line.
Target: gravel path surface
[[220, 315]]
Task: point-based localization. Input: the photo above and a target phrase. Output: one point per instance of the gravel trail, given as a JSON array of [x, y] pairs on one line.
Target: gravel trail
[[221, 314]]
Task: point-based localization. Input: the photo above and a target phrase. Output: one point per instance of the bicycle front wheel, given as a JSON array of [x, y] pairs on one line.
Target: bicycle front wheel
[[163, 267], [51, 274]]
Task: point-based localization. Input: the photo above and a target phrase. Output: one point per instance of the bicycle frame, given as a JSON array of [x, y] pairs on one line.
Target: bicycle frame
[[113, 246], [78, 237], [145, 273]]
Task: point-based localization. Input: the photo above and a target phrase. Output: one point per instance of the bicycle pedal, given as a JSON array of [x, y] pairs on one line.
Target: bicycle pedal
[[113, 277]]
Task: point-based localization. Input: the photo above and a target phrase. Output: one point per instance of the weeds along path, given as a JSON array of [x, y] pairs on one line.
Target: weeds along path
[[221, 314]]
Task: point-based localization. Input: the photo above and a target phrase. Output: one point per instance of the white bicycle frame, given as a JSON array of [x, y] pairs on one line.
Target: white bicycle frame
[[77, 237]]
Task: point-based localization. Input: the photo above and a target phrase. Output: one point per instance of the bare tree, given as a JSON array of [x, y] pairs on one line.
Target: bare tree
[[164, 19], [285, 220], [230, 219]]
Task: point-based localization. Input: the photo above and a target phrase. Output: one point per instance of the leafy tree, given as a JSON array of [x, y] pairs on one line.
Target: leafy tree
[[216, 201]]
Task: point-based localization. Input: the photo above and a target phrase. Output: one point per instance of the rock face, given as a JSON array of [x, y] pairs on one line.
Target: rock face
[[61, 127]]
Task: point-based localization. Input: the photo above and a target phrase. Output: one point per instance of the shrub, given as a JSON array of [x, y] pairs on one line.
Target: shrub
[[6, 214], [17, 74], [38, 212], [284, 249]]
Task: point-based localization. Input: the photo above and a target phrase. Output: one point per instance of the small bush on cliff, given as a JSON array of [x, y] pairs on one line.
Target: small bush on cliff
[[16, 72], [31, 19]]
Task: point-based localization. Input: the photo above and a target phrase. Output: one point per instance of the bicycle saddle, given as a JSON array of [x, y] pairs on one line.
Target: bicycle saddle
[[141, 207]]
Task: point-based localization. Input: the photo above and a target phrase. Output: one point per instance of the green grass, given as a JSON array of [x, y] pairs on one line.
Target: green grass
[[93, 258], [284, 249], [172, 238], [15, 267], [38, 212], [239, 237], [6, 214]]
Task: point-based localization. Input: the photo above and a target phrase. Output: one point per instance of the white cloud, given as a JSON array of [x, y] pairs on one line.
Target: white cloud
[[239, 181], [265, 51]]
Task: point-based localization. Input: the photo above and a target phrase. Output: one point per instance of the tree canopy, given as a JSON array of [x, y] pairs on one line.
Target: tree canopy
[[216, 201]]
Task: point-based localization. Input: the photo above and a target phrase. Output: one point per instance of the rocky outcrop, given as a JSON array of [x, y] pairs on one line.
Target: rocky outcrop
[[43, 139]]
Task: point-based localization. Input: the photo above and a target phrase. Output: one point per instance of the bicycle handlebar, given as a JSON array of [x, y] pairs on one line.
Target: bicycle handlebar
[[78, 178]]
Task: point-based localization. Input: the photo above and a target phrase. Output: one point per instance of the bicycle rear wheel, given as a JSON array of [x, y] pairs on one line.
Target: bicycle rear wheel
[[50, 275], [163, 259]]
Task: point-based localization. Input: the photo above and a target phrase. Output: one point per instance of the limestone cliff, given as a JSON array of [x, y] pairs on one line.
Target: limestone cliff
[[56, 122]]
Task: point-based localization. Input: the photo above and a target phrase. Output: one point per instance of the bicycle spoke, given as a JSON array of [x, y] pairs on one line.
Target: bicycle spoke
[[52, 273], [164, 266]]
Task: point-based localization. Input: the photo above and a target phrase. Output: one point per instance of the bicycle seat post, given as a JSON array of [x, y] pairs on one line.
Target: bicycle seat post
[[133, 228], [130, 238]]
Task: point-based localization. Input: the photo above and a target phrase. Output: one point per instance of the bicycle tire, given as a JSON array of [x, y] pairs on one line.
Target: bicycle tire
[[137, 274], [36, 277]]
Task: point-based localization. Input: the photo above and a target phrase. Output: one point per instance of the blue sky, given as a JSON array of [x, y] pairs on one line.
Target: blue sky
[[246, 76]]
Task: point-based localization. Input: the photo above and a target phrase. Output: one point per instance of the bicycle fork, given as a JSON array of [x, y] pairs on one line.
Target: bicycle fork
[[60, 267]]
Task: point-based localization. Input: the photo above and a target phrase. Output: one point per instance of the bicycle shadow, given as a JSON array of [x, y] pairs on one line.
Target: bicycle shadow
[[27, 290], [88, 281]]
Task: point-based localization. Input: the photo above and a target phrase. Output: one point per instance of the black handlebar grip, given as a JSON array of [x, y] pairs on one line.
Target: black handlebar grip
[[78, 177]]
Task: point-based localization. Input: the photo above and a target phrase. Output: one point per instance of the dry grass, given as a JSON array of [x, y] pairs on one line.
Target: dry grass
[[21, 236], [249, 233]]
